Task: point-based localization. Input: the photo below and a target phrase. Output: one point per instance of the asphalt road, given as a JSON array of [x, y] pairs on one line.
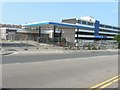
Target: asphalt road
[[37, 58], [69, 73]]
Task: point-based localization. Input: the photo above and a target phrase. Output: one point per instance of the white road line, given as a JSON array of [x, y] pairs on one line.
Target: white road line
[[11, 63]]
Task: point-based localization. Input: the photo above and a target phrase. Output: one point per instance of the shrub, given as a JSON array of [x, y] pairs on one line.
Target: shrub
[[94, 48], [89, 48]]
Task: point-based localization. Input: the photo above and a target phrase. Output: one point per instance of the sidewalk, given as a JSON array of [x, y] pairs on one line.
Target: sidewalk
[[48, 50], [6, 52], [41, 51], [54, 51]]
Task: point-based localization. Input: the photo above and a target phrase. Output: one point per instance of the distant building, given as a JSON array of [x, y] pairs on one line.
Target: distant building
[[74, 30], [15, 32]]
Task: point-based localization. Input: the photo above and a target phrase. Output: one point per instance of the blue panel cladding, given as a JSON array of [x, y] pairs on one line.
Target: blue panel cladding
[[100, 36], [104, 36], [96, 30]]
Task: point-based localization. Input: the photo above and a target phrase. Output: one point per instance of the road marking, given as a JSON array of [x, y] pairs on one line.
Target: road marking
[[106, 83], [11, 63]]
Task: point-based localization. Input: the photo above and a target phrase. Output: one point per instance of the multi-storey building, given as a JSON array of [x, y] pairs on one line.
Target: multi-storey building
[[100, 31]]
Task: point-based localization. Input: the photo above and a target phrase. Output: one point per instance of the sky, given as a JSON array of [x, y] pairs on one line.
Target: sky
[[26, 12]]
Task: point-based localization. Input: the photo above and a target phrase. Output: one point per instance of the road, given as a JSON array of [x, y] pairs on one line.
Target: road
[[48, 57], [65, 73]]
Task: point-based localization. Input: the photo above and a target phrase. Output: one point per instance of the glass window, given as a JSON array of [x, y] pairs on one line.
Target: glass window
[[79, 21], [106, 26], [90, 23], [115, 28], [102, 25], [103, 30], [84, 22]]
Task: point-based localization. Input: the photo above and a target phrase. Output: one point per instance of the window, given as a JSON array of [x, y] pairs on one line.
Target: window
[[90, 23], [84, 33], [106, 26], [101, 25], [84, 22], [104, 30], [106, 34], [115, 28], [79, 21]]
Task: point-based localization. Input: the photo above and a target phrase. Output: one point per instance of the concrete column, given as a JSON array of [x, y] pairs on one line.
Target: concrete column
[[54, 29], [77, 38], [61, 35], [39, 33]]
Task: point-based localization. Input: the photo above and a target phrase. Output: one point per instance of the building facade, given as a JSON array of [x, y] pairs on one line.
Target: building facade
[[100, 31], [74, 30]]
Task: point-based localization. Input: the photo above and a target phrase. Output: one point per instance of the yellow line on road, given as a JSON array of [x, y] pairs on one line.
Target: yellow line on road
[[110, 83], [106, 83]]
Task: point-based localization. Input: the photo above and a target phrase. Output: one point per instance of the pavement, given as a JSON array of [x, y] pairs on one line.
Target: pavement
[[40, 51], [33, 52], [20, 46], [66, 73], [6, 52], [36, 51]]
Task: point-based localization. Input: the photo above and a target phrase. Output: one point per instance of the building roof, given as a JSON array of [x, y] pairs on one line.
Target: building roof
[[36, 24]]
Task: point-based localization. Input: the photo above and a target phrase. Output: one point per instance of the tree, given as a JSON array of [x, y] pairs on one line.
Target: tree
[[117, 38]]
